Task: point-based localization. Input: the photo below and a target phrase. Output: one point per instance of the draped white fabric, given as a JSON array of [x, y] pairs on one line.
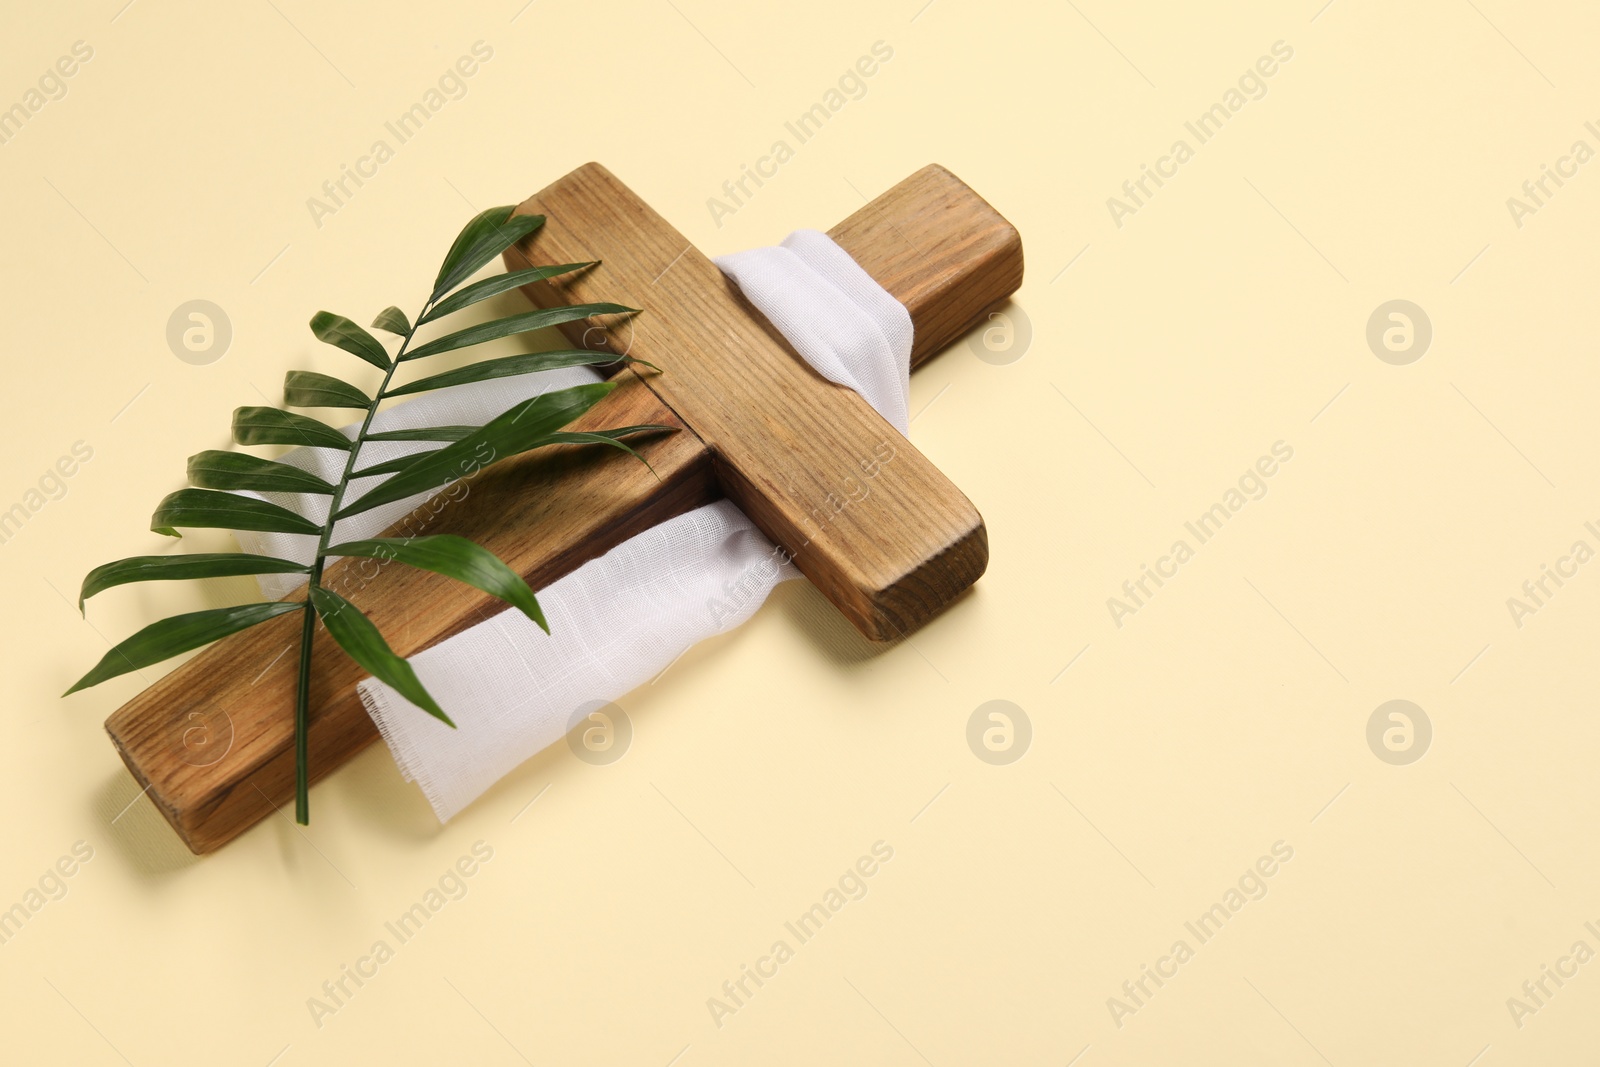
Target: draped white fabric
[[846, 325], [617, 621]]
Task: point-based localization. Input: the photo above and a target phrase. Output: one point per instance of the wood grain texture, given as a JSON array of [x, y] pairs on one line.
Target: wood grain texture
[[545, 514], [876, 527], [939, 249]]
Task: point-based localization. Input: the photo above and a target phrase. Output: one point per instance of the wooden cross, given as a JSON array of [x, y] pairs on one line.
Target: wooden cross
[[891, 543]]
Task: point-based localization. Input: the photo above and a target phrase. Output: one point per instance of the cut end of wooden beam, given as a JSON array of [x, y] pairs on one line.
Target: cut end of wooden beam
[[939, 249]]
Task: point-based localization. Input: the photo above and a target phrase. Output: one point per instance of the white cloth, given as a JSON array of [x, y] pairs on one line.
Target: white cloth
[[615, 624], [846, 325], [620, 620]]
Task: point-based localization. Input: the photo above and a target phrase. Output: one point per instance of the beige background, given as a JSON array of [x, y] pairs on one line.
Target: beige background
[[1167, 754]]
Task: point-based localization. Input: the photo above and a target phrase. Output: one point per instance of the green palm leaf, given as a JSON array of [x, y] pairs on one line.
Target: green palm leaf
[[513, 431], [393, 320], [209, 509], [180, 633], [496, 285], [308, 389], [390, 466], [214, 469], [454, 557], [514, 324], [508, 366], [175, 568], [358, 637], [340, 332], [611, 438], [425, 433], [486, 236], [274, 426]]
